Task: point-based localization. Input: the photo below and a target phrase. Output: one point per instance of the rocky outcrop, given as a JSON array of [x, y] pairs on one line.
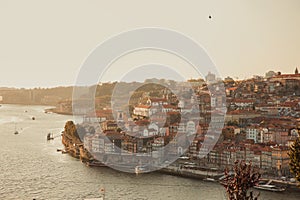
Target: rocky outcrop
[[73, 144]]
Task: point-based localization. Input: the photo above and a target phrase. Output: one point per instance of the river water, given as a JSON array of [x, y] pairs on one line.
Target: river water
[[32, 169]]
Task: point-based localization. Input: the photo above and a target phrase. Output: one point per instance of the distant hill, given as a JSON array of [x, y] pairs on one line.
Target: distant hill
[[41, 96]]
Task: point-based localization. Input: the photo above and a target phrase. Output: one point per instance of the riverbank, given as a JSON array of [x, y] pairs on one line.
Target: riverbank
[[74, 147], [192, 173], [48, 109], [55, 110]]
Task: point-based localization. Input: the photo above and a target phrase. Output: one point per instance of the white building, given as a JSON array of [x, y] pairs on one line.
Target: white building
[[181, 104], [252, 133], [142, 110], [97, 144], [210, 78], [190, 128], [87, 142], [153, 126]]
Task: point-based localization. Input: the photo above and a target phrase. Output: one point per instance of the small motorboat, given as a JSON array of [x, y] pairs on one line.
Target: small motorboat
[[16, 131], [210, 179], [137, 170], [269, 187], [141, 169], [50, 136], [33, 118]]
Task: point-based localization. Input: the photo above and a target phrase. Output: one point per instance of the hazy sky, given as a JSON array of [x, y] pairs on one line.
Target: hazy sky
[[44, 43]]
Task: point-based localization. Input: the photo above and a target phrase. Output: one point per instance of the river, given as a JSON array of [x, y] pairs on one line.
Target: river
[[31, 168]]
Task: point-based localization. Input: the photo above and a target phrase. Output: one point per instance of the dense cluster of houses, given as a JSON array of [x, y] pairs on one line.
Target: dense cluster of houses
[[262, 121]]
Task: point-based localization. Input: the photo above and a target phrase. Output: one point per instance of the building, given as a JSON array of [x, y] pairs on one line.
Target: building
[[142, 110], [210, 78]]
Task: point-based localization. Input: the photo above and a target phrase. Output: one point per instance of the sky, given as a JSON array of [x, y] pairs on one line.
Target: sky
[[45, 43]]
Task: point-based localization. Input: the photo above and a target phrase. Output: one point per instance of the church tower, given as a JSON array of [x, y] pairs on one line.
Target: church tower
[[296, 71]]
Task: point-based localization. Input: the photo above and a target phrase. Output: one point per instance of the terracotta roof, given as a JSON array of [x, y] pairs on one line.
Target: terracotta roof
[[242, 100], [239, 112], [285, 76], [158, 100], [143, 106], [232, 88]]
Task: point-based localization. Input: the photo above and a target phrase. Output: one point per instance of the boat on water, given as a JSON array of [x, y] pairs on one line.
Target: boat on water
[[50, 136], [63, 151], [210, 179], [48, 112], [137, 170], [141, 169], [16, 132], [270, 187]]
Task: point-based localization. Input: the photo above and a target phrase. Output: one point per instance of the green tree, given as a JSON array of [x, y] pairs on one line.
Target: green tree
[[237, 185], [294, 154], [232, 123]]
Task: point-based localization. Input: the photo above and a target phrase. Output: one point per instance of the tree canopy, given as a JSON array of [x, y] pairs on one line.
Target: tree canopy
[[237, 185], [294, 154]]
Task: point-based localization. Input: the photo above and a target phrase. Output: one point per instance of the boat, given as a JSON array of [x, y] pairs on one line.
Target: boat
[[47, 112], [141, 169], [210, 179], [137, 170], [269, 187], [50, 136], [16, 132], [33, 118], [64, 151]]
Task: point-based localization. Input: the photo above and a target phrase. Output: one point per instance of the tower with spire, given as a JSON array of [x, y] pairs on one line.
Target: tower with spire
[[296, 71]]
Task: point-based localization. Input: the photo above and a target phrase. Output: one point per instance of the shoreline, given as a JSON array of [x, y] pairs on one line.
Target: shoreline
[[45, 108], [51, 108], [54, 110], [77, 151], [202, 175], [26, 104], [74, 147]]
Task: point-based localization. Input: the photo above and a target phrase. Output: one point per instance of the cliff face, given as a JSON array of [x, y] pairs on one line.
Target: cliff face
[[71, 132], [73, 144]]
